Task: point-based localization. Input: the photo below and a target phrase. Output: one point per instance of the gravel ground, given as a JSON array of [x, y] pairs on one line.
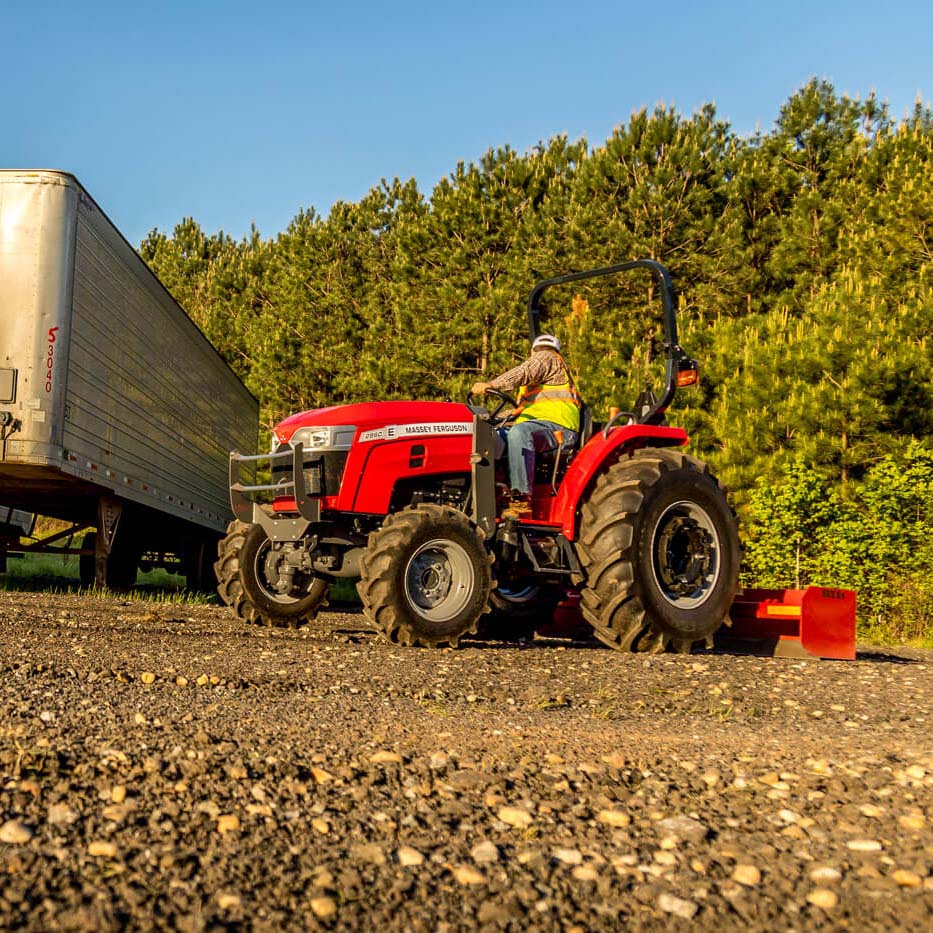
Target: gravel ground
[[163, 767]]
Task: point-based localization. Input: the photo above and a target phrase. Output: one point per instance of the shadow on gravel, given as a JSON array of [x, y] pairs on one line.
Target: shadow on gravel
[[537, 643], [884, 657], [724, 646], [358, 635], [345, 607], [766, 649]]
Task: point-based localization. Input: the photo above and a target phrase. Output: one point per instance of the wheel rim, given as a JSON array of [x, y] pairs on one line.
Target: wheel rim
[[518, 594], [266, 572], [685, 555], [439, 580]]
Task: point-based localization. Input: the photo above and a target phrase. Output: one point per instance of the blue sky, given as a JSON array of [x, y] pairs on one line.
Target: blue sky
[[238, 113]]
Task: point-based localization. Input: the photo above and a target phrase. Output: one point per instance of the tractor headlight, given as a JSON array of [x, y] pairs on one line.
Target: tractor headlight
[[331, 438], [316, 437]]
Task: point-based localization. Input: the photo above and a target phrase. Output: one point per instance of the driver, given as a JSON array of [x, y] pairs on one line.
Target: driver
[[548, 403]]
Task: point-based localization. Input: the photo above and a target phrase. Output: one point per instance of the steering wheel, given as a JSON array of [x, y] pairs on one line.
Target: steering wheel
[[493, 416]]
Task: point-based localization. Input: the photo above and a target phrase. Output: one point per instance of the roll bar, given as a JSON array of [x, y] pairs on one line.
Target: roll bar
[[677, 359]]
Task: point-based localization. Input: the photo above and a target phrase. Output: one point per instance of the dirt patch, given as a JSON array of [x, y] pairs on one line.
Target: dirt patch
[[163, 766]]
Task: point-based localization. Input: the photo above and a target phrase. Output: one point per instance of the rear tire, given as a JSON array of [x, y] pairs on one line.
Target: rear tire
[[425, 576], [660, 552], [243, 585]]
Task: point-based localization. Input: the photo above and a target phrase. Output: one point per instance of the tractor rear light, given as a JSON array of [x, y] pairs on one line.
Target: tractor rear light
[[688, 374]]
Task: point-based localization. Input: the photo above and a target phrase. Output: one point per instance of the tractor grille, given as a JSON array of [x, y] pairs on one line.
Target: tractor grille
[[323, 471]]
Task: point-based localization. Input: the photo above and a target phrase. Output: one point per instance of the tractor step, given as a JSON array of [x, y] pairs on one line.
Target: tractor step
[[815, 622]]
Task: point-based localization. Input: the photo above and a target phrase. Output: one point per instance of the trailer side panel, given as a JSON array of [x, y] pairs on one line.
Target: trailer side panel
[[144, 386]]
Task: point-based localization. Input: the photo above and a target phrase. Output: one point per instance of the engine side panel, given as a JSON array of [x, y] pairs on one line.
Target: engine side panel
[[383, 465]]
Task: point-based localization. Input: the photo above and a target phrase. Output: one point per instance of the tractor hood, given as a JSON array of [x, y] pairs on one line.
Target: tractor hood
[[370, 416]]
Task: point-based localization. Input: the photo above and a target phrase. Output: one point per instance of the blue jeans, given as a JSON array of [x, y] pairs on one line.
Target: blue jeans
[[523, 440]]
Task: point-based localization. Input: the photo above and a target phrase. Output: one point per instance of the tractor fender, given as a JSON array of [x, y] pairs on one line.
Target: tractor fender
[[598, 453]]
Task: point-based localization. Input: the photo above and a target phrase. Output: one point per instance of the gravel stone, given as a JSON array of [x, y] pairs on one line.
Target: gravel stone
[[864, 845], [618, 819], [466, 874], [747, 875], [409, 857], [568, 856], [15, 833], [102, 849], [912, 822], [823, 897], [485, 853], [515, 816], [60, 814], [677, 906], [228, 823], [683, 827], [323, 907]]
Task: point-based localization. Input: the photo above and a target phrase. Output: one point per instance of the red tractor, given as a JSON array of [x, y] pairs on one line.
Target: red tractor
[[407, 497]]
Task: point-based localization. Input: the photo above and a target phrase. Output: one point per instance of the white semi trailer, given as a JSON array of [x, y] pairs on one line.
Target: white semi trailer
[[116, 413]]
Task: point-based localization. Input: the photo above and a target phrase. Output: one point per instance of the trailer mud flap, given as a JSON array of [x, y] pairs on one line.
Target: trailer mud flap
[[815, 622]]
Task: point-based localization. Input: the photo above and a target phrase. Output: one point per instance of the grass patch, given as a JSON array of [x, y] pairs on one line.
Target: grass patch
[[894, 633], [46, 573], [907, 617]]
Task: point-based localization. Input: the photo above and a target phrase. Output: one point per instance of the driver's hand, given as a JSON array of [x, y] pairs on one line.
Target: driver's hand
[[479, 388]]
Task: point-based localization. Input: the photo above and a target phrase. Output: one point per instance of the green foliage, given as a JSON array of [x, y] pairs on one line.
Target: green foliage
[[787, 521]]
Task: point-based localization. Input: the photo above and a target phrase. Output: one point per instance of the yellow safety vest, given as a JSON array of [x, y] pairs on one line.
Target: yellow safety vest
[[559, 404]]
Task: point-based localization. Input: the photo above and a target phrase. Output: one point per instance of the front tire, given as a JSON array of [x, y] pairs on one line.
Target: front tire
[[243, 571], [660, 552], [425, 576], [227, 565]]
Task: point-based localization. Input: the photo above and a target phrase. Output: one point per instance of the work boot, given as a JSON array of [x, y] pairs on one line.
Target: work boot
[[519, 508]]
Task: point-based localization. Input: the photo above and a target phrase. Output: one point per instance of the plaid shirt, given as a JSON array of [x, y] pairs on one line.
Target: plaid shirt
[[543, 367]]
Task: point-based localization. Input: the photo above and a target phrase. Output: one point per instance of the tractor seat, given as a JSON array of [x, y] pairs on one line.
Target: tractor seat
[[542, 446], [565, 453]]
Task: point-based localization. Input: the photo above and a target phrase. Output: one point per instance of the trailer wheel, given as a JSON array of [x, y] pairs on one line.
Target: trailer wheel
[[198, 568], [426, 576], [244, 546], [660, 552]]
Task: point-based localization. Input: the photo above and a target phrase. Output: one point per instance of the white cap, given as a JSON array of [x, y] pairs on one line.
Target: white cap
[[546, 340]]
